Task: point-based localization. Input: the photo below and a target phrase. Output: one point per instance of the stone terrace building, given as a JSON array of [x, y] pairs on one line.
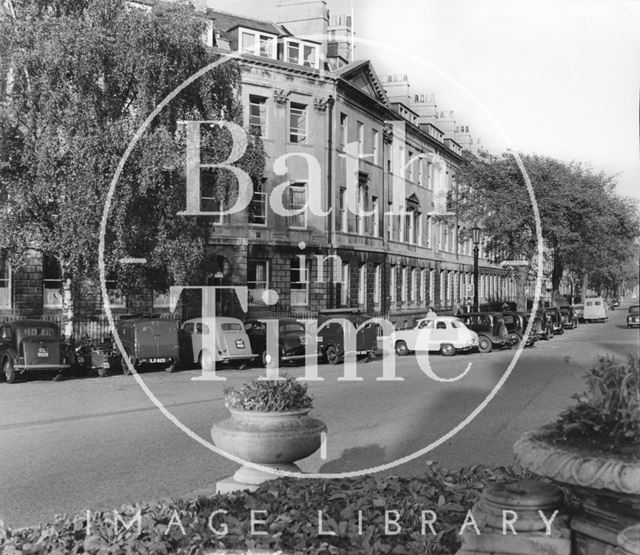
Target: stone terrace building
[[330, 130]]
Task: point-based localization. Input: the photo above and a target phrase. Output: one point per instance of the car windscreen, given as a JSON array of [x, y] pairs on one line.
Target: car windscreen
[[39, 332], [289, 328], [634, 310]]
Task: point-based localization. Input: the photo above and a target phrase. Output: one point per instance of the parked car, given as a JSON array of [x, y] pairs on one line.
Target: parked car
[[232, 344], [490, 327], [31, 346], [579, 308], [569, 317], [633, 316], [537, 328], [595, 309], [516, 324], [443, 333], [291, 339], [552, 315], [331, 336], [615, 303], [149, 342]]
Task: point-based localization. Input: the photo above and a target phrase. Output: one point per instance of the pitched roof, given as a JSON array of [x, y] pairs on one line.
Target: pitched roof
[[225, 22], [360, 73]]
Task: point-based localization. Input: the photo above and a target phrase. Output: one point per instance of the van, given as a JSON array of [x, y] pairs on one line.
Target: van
[[595, 309]]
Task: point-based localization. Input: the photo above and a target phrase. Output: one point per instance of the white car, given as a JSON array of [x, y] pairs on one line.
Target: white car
[[231, 342], [442, 333]]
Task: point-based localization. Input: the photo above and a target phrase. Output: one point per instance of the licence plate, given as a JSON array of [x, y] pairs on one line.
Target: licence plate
[[240, 343], [43, 353], [319, 339], [155, 360], [105, 364]]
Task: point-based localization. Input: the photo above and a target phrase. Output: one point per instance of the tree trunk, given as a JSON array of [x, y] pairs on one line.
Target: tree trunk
[[68, 315], [521, 287], [556, 276]]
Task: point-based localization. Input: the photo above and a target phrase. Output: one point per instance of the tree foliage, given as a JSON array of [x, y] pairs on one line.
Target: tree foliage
[[79, 77], [588, 228]]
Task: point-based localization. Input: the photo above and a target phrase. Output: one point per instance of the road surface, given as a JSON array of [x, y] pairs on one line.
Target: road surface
[[97, 443]]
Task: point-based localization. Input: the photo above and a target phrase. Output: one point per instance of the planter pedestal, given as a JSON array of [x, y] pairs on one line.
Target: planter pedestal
[[247, 478], [523, 499], [271, 439], [607, 487]]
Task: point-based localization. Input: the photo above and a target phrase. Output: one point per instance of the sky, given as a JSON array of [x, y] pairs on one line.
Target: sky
[[559, 78]]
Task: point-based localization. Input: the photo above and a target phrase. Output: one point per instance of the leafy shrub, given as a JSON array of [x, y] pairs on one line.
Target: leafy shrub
[[609, 411], [283, 394], [291, 519]]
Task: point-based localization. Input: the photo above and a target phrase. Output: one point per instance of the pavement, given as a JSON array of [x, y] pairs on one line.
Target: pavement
[[97, 443]]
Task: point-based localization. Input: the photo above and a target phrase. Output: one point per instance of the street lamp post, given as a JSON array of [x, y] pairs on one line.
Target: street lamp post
[[475, 236]]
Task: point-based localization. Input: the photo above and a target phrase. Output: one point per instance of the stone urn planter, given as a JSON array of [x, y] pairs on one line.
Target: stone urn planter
[[607, 487], [601, 471], [272, 438]]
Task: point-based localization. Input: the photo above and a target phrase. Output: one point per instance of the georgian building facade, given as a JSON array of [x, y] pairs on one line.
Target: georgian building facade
[[385, 240]]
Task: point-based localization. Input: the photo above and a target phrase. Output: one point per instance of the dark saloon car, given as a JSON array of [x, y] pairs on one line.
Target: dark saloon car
[[516, 324], [569, 317], [331, 336], [553, 316], [490, 327], [633, 316], [291, 339], [150, 342], [30, 346]]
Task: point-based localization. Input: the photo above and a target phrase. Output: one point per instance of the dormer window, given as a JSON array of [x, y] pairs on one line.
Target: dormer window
[[301, 53], [259, 44]]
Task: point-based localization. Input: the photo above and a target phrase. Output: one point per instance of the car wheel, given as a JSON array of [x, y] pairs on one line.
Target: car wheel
[[102, 372], [9, 371], [484, 344], [447, 350], [401, 348], [205, 360], [331, 355], [514, 339], [561, 332], [171, 368], [263, 358]]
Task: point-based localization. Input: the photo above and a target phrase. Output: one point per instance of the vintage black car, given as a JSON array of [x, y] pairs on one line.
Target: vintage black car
[[490, 327], [31, 346], [633, 316], [148, 342], [553, 316], [331, 335], [291, 339], [569, 317], [516, 324]]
